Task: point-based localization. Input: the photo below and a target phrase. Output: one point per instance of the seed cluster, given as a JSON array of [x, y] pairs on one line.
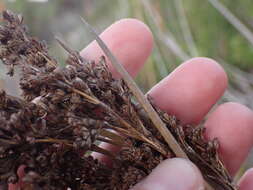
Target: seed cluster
[[65, 112]]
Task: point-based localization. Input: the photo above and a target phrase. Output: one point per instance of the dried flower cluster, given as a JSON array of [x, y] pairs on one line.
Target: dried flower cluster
[[65, 112]]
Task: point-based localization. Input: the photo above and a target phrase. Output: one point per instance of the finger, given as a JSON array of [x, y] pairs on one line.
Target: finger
[[191, 90], [246, 182], [103, 158], [232, 124], [20, 183], [130, 41], [182, 174]]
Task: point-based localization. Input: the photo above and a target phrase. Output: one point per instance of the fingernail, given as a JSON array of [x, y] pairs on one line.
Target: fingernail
[[176, 174]]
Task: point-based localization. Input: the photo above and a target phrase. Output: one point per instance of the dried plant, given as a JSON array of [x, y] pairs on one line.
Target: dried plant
[[66, 112]]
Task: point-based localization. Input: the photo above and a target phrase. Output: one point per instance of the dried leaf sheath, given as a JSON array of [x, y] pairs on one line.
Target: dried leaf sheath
[[65, 112]]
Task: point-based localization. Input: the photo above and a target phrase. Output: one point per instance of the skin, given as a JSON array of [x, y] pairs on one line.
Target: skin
[[189, 92]]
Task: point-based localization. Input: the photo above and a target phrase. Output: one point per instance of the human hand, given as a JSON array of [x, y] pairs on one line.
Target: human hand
[[189, 93]]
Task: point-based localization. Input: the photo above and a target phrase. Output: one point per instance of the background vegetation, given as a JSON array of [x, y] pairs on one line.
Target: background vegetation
[[220, 29]]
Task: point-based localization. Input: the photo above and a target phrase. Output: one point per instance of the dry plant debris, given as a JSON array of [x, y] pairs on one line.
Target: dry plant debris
[[65, 112]]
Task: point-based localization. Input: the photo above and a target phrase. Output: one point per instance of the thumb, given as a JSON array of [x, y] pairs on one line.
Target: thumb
[[176, 174]]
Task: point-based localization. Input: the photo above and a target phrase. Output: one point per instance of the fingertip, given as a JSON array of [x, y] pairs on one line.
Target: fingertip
[[103, 158], [170, 173], [232, 124], [130, 40], [139, 28], [214, 67], [246, 182], [191, 90]]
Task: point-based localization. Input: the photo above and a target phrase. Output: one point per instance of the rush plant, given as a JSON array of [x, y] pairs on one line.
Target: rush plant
[[65, 112]]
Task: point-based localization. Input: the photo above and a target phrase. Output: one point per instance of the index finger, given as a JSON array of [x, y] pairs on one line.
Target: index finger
[[131, 42]]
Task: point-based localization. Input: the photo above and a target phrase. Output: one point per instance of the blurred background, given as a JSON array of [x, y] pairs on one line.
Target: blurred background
[[220, 29]]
